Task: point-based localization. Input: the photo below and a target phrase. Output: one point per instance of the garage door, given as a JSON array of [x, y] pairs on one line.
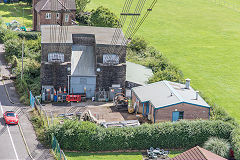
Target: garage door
[[78, 83]]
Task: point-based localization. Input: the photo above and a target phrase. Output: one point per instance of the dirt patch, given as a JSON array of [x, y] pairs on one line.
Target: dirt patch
[[102, 111]]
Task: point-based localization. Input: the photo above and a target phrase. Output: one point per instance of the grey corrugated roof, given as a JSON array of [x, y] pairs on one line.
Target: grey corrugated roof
[[103, 35], [46, 5], [82, 61], [137, 73], [165, 93]]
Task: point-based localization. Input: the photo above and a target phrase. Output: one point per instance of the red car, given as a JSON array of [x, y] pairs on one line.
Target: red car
[[10, 117]]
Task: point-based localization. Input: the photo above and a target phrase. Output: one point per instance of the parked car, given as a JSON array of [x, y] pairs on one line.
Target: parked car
[[10, 117]]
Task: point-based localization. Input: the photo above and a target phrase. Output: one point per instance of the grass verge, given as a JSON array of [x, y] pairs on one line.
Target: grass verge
[[104, 156]]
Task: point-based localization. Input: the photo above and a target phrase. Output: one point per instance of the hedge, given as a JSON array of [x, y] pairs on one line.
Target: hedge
[[86, 136], [235, 139], [29, 35]]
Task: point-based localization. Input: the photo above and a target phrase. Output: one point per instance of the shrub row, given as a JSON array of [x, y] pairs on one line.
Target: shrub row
[[32, 58], [235, 139], [29, 35], [101, 17], [139, 52], [86, 136]]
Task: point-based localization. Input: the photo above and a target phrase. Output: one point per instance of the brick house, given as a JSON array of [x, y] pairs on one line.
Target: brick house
[[83, 60], [169, 101], [61, 13]]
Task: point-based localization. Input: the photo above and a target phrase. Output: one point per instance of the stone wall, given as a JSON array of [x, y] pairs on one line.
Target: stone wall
[[107, 75], [110, 75], [57, 48], [53, 73], [84, 39], [108, 49], [56, 74]]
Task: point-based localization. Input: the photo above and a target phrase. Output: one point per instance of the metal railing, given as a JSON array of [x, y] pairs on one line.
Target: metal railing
[[34, 102], [56, 149]]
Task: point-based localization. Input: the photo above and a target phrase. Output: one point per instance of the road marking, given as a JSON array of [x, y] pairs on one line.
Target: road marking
[[10, 136]]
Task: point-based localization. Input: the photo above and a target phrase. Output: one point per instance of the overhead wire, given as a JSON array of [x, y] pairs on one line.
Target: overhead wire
[[126, 8], [131, 25], [134, 19], [143, 18]]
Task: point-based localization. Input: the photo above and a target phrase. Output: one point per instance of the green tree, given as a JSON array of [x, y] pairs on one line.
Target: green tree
[[103, 17], [81, 5]]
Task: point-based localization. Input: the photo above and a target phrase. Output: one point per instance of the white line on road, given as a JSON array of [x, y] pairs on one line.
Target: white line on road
[[10, 136]]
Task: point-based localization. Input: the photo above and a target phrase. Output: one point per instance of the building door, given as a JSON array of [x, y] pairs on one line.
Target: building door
[[81, 84], [177, 116], [147, 110]]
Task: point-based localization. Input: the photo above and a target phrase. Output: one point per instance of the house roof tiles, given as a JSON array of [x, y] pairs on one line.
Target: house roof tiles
[[197, 153], [46, 5]]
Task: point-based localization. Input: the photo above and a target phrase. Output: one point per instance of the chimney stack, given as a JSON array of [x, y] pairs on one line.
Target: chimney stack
[[197, 93], [188, 83]]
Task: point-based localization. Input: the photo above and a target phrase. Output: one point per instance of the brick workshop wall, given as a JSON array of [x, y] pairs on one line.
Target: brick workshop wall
[[191, 112]]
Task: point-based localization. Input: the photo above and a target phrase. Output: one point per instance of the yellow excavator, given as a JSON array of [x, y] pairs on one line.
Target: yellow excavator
[[121, 102]]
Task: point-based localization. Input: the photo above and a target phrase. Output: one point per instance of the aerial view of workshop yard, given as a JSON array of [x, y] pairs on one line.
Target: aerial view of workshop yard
[[119, 80]]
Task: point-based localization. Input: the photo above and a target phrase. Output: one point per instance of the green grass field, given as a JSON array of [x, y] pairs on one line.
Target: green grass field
[[202, 38], [14, 11], [104, 156], [111, 156]]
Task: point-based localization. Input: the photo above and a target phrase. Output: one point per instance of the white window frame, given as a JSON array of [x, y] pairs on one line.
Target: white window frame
[[110, 59], [56, 57], [48, 16], [58, 15], [66, 17]]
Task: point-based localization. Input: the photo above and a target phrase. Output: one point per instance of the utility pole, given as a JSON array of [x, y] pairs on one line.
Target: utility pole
[[23, 16], [22, 58]]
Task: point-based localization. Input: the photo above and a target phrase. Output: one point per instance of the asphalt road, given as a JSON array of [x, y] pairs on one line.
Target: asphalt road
[[11, 142], [12, 146]]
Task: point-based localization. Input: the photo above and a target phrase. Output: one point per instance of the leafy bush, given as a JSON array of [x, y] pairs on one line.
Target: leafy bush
[[13, 47], [235, 140], [81, 5], [22, 89], [138, 44], [218, 146], [103, 17], [219, 113], [139, 52], [9, 34], [2, 34], [84, 18], [32, 59], [39, 127], [28, 35], [86, 136]]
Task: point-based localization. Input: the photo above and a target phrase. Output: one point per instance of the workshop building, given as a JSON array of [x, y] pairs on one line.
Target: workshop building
[[81, 59], [169, 101]]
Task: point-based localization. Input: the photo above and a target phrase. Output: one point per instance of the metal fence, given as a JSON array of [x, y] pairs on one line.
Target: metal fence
[[57, 150], [42, 112], [34, 102]]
